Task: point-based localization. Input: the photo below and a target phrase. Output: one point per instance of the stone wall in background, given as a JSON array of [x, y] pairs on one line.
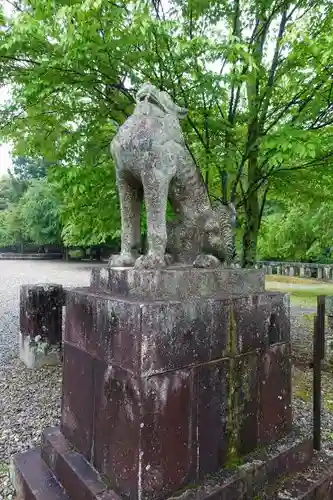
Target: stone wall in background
[[300, 269]]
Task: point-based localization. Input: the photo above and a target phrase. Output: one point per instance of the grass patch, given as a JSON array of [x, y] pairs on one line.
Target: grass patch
[[302, 388], [302, 297], [303, 395], [293, 280], [307, 298], [302, 385], [306, 320], [311, 292], [299, 298], [308, 303]]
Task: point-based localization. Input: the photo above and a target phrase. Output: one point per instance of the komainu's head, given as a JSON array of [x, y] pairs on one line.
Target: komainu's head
[[160, 99]]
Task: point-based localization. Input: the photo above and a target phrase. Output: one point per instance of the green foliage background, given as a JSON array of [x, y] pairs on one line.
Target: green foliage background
[[256, 76]]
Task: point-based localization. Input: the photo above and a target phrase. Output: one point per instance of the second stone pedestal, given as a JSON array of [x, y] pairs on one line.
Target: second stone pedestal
[[40, 335], [159, 393]]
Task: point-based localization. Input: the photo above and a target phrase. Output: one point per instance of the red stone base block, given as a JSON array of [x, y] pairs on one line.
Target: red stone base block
[[158, 394], [58, 472]]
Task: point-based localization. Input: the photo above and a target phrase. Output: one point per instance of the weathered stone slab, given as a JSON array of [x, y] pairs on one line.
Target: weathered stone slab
[[145, 431], [169, 432], [33, 480], [212, 415], [176, 335], [40, 335], [327, 272], [116, 432], [78, 478], [41, 311], [178, 283], [275, 393], [244, 396], [260, 320], [78, 399], [288, 456], [105, 327], [154, 337], [329, 305]]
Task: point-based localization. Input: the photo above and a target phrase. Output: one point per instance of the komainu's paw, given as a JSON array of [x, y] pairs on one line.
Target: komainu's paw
[[206, 261], [122, 260], [169, 259], [150, 261]]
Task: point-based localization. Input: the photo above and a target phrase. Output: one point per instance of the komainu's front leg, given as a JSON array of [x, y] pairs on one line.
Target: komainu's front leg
[[130, 206], [156, 188]]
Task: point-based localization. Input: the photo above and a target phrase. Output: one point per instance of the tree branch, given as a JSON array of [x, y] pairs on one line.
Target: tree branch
[[269, 87], [262, 206], [310, 164]]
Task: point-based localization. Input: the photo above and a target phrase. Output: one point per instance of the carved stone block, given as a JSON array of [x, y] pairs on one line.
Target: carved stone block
[[178, 282], [170, 389]]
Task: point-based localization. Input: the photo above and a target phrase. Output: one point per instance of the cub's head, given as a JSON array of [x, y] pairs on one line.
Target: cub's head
[[219, 230]]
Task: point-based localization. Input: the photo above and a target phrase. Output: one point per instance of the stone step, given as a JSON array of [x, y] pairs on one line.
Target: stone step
[[247, 481], [74, 472], [35, 472], [32, 479], [313, 483]]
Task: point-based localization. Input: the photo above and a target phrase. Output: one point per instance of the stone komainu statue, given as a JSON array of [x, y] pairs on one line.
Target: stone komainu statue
[[154, 164]]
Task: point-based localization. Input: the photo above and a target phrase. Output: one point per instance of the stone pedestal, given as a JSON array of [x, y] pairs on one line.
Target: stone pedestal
[[327, 273], [171, 391], [178, 283], [168, 376], [308, 272], [329, 305], [40, 335]]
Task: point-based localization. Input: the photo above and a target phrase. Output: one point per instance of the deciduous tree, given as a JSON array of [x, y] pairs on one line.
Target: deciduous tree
[[255, 75]]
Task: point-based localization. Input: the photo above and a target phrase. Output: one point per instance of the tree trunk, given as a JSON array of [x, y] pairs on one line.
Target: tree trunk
[[251, 201], [250, 237]]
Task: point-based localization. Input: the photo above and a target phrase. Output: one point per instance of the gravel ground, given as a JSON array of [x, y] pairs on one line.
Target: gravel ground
[[30, 401]]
